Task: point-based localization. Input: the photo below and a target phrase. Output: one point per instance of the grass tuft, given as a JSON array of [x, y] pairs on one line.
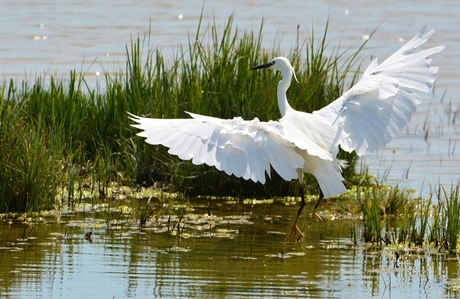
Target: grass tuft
[[61, 131]]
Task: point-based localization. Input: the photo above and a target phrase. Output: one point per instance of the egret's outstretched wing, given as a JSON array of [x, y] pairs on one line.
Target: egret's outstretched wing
[[243, 148], [378, 107]]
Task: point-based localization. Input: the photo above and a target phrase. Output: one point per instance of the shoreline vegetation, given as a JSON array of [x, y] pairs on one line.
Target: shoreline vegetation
[[61, 138]]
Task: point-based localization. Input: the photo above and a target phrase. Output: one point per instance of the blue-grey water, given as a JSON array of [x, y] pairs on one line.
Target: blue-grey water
[[54, 37]]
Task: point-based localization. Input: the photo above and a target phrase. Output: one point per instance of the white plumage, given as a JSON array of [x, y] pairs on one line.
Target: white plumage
[[364, 118]]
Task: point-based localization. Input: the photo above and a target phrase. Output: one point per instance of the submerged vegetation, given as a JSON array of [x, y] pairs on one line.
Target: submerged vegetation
[[61, 139]]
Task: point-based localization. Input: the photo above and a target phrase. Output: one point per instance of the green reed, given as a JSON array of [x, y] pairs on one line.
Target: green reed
[[369, 201], [449, 206], [426, 223], [383, 208], [62, 132], [393, 216], [29, 170]]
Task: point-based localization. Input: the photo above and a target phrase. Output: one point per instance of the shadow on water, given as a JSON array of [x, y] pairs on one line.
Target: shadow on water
[[237, 251]]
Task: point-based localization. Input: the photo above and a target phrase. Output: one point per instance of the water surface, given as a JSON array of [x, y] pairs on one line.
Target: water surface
[[237, 253]]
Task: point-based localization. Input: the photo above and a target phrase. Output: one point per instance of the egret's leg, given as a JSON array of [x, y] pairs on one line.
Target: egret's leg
[[313, 213], [295, 231]]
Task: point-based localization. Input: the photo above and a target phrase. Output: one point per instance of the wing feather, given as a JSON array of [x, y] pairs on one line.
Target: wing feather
[[243, 148], [380, 105]]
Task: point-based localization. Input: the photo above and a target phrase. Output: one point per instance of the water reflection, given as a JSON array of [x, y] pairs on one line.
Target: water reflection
[[52, 259]]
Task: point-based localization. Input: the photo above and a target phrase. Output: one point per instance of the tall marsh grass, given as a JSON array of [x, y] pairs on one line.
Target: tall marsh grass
[[29, 169], [393, 216], [449, 223], [63, 132]]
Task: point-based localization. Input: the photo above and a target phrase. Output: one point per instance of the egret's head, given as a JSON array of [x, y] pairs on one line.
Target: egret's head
[[281, 64]]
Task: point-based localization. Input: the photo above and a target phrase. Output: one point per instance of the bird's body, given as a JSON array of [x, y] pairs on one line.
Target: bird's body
[[366, 117]]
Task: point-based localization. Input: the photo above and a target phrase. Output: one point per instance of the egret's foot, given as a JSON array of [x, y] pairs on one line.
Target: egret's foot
[[295, 234], [315, 215]]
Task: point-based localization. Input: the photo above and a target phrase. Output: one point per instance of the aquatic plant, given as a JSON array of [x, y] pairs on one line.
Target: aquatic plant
[[29, 171], [449, 204], [369, 199], [383, 208], [66, 124], [394, 216]]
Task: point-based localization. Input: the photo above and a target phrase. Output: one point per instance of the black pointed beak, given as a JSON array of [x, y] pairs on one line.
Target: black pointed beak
[[263, 66]]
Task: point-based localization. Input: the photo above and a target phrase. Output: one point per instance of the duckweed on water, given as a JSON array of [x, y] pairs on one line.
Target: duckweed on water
[[399, 220]]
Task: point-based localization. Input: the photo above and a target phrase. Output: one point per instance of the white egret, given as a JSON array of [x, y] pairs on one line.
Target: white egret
[[364, 118]]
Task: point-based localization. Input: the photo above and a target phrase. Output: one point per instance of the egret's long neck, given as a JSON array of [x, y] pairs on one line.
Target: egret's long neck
[[283, 86]]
